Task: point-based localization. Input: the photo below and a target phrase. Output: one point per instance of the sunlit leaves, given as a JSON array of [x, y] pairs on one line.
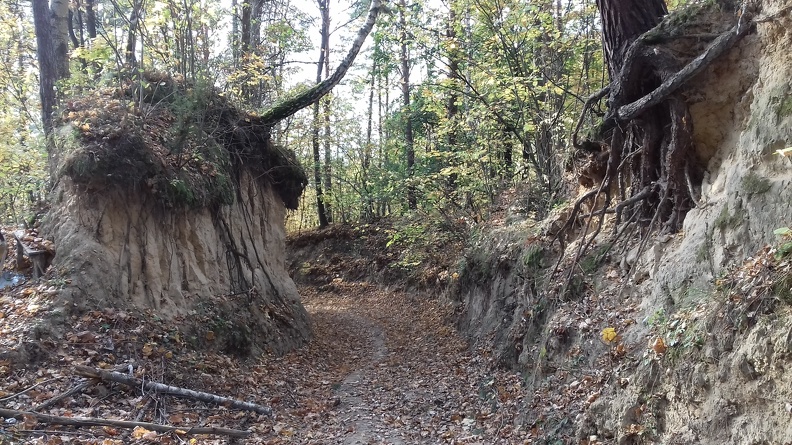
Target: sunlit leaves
[[22, 160]]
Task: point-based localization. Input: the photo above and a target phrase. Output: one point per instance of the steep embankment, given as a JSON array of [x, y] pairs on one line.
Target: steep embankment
[[175, 206], [699, 341]]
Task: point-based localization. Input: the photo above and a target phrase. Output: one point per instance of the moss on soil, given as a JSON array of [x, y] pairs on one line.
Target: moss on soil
[[185, 144]]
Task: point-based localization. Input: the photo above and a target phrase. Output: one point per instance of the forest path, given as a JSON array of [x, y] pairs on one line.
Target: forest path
[[383, 367], [396, 372]]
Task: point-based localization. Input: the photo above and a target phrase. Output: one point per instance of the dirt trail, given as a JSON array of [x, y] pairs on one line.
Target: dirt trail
[[407, 377]]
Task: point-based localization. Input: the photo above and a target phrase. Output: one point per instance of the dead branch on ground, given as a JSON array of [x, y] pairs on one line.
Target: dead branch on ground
[[171, 390], [91, 421]]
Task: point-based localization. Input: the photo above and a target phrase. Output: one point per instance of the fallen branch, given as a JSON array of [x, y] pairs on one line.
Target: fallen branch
[[171, 390], [77, 389], [724, 42], [13, 396], [91, 421]]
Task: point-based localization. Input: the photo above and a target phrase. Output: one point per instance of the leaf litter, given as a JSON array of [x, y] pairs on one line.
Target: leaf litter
[[384, 367]]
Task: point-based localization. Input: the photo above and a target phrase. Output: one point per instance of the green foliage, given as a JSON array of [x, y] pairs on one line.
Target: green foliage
[[683, 332], [784, 107], [502, 118], [532, 257], [23, 180], [592, 261], [23, 159], [179, 192], [418, 242]]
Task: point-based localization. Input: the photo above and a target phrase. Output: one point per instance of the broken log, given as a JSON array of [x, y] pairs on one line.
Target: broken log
[[92, 421], [175, 391]]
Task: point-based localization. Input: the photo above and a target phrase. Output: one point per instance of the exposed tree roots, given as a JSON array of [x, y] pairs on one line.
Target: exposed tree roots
[[643, 159]]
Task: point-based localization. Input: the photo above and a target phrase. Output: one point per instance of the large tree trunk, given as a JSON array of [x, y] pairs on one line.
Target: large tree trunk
[[90, 19], [48, 73], [59, 10], [452, 101], [52, 53], [642, 152], [326, 142], [366, 208], [622, 22], [131, 45]]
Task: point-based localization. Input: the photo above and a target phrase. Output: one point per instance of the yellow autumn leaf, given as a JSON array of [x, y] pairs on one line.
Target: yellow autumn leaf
[[147, 349], [609, 334]]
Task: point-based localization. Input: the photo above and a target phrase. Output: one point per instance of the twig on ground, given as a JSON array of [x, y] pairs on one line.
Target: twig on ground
[[77, 389], [91, 421], [84, 384], [171, 390], [13, 396]]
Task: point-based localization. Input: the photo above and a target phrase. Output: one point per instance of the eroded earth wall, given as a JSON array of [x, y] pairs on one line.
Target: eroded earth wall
[[721, 373], [219, 270]]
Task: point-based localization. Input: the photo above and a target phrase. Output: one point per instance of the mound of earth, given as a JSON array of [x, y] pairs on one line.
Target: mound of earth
[[171, 201]]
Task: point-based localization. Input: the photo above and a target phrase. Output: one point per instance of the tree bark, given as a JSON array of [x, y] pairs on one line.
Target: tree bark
[[324, 9], [452, 101], [59, 20], [90, 19], [622, 22], [409, 141], [131, 45], [326, 142], [48, 73]]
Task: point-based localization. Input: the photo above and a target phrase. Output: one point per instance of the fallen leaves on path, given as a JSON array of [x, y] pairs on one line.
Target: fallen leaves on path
[[384, 367]]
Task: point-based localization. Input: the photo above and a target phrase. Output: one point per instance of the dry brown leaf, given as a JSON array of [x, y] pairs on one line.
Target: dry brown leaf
[[139, 432], [659, 345]]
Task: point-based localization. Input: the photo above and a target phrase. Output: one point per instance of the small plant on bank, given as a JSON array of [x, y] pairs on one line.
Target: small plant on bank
[[785, 245], [753, 184]]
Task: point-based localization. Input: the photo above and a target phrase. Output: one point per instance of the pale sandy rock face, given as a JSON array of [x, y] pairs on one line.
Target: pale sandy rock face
[[735, 390], [733, 386], [221, 271], [744, 117]]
